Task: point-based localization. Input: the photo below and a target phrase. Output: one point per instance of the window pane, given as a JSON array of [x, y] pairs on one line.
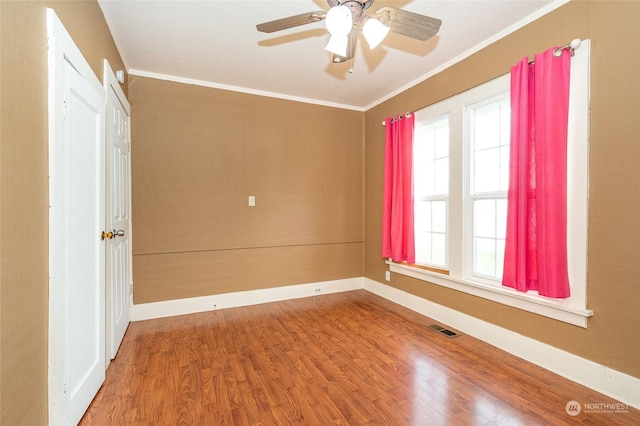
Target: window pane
[[423, 247], [441, 168], [486, 170], [422, 216], [439, 250], [421, 180], [430, 176], [487, 128], [439, 219], [431, 158], [504, 168], [505, 121], [442, 138], [499, 258], [485, 256], [489, 229], [490, 134], [501, 218], [431, 249], [429, 143], [484, 218], [430, 232]]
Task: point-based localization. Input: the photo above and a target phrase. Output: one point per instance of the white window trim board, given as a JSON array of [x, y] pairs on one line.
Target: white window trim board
[[550, 308]]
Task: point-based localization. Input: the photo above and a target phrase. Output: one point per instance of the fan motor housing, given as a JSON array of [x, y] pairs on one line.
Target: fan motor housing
[[357, 7], [364, 4]]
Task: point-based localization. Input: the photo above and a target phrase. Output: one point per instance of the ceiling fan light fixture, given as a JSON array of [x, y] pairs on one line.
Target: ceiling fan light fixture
[[374, 32], [339, 21], [345, 19], [338, 45]]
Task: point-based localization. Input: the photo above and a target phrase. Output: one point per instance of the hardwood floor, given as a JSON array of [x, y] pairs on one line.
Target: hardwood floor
[[348, 358]]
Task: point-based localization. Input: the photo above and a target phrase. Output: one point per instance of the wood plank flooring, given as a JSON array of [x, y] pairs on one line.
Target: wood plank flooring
[[347, 359]]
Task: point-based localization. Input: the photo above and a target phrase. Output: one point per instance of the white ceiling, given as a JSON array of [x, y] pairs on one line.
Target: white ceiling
[[215, 43]]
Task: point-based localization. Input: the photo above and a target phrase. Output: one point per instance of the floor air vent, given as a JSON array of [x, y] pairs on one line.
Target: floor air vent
[[443, 330]]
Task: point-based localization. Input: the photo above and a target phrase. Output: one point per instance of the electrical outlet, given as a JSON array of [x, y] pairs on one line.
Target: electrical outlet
[[387, 275], [252, 200]]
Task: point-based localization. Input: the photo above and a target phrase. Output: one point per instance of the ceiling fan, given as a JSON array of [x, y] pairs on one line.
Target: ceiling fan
[[345, 17]]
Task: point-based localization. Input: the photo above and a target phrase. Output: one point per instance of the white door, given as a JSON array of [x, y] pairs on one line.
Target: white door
[[118, 264], [77, 217], [83, 264]]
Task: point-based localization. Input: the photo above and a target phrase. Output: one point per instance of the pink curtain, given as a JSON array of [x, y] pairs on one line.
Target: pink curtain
[[397, 216], [536, 241]]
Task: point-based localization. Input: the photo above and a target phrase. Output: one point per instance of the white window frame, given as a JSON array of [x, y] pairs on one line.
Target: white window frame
[[572, 310]]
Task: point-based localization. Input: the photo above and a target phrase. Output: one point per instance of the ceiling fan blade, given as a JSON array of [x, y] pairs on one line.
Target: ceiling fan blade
[[351, 48], [291, 21], [409, 24]]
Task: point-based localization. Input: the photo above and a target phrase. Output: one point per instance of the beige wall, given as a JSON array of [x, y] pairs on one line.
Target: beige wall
[[198, 153], [308, 222], [24, 195], [611, 337]]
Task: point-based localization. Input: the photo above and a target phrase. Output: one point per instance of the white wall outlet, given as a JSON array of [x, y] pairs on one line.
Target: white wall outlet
[[387, 275], [252, 200]]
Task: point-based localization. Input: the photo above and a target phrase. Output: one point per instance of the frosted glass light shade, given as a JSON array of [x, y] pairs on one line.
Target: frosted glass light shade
[[374, 32], [339, 21], [338, 45]]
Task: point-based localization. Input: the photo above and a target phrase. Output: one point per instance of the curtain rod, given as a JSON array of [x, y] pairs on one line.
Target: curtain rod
[[406, 114], [575, 43]]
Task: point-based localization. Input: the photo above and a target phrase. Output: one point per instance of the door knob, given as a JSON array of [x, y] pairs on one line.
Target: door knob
[[118, 233], [107, 235]]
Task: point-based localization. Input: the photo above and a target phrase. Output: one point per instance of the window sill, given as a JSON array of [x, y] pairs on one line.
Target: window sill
[[555, 309]]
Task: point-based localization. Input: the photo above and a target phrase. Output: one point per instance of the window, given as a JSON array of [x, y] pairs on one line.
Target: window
[[431, 191], [489, 133], [483, 122], [461, 177]]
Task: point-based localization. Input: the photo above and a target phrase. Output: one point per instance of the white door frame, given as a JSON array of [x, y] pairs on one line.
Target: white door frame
[[61, 49]]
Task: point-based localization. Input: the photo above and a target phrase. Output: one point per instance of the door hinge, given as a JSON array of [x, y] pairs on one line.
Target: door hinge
[[130, 288], [64, 105], [64, 390]]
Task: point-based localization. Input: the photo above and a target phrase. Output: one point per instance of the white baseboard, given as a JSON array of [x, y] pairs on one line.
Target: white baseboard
[[600, 378], [193, 305]]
